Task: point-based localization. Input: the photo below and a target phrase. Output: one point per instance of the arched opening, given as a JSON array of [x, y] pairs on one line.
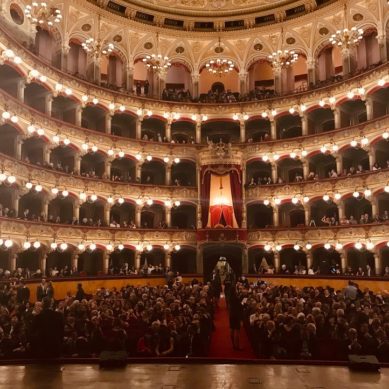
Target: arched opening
[[153, 216], [295, 77], [352, 112], [36, 96], [184, 173], [324, 213], [62, 158], [288, 126], [31, 206], [141, 78], [9, 138], [329, 65], [326, 262], [384, 254], [90, 263], [9, 80], [260, 261], [382, 206], [59, 263], [122, 262], [123, 169], [291, 215], [65, 109], [93, 118], [7, 194], [322, 166], [320, 120], [258, 130], [184, 216], [259, 216], [368, 51], [123, 124], [261, 80], [92, 213], [61, 210], [153, 173], [380, 102], [77, 60], [258, 173], [183, 131], [290, 170], [359, 260], [293, 261], [226, 90], [29, 260], [153, 262], [358, 209], [381, 149], [46, 47], [355, 160], [178, 81], [184, 261], [33, 150], [5, 259], [93, 165], [122, 215], [153, 129], [112, 72], [230, 253], [220, 130]]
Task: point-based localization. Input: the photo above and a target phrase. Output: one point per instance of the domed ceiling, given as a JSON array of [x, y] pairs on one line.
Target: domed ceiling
[[210, 8]]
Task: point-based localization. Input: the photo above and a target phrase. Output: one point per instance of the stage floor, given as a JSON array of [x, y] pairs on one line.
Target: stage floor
[[190, 376]]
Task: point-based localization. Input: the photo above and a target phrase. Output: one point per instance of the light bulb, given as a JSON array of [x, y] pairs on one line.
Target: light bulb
[[327, 246], [92, 247], [265, 158], [26, 245], [276, 157], [29, 185], [36, 244], [176, 160], [109, 247], [81, 247], [177, 247], [66, 141], [277, 201], [339, 246], [326, 197], [121, 154], [110, 152], [308, 246], [177, 203], [149, 247], [166, 246], [65, 193], [120, 200], [266, 202], [353, 143], [166, 159], [121, 247], [296, 247], [149, 158], [278, 247], [385, 135], [54, 191], [11, 179], [370, 245], [38, 188], [53, 246], [168, 203], [110, 200], [267, 247], [306, 199], [63, 246], [149, 202], [356, 194], [358, 245], [8, 243], [93, 197], [386, 189], [338, 196], [295, 200], [367, 192]]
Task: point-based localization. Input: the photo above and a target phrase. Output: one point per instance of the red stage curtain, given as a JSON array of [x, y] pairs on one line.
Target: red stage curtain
[[217, 211]]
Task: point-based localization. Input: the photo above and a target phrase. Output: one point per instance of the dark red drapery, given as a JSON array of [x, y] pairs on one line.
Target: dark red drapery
[[205, 193], [236, 192]]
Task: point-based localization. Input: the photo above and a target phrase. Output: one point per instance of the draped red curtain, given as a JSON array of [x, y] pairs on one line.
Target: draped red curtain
[[205, 193], [217, 211], [236, 192]]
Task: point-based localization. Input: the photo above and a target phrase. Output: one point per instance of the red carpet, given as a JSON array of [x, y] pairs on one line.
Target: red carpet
[[221, 346]]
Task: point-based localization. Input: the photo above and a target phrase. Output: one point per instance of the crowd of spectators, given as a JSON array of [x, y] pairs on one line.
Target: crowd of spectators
[[286, 322], [175, 320]]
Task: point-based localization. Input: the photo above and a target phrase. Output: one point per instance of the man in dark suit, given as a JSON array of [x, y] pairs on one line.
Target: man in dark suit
[[41, 290], [46, 332], [22, 293]]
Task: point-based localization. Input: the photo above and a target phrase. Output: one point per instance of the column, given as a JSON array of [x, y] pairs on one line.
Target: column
[[108, 120], [311, 68], [130, 78], [339, 164], [12, 260], [304, 124], [382, 44], [138, 212], [107, 171], [374, 206], [76, 210], [305, 168], [337, 118], [341, 210], [137, 260], [138, 171], [64, 57], [377, 262], [372, 157], [15, 203], [242, 131], [199, 260], [307, 214], [138, 128], [274, 172], [21, 86], [105, 262], [168, 259], [18, 147], [48, 104], [343, 260], [243, 82], [278, 80], [74, 261], [46, 153], [309, 259], [198, 131], [77, 164], [96, 69], [168, 177], [168, 213], [275, 216], [273, 129], [199, 214], [107, 213], [277, 261], [168, 130], [78, 115], [245, 260], [45, 208], [369, 108], [348, 61], [244, 209], [43, 262], [195, 85]]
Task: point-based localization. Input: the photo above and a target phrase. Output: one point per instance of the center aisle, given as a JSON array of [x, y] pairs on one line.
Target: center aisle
[[221, 346]]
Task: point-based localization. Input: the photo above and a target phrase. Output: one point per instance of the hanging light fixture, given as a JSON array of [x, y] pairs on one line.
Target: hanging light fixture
[[219, 65], [283, 58], [157, 62], [43, 13], [347, 38], [98, 47]]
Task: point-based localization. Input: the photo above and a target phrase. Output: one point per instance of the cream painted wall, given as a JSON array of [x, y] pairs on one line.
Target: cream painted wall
[[230, 81], [178, 74]]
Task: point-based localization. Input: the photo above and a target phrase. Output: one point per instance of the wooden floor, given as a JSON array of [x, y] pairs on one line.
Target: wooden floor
[[190, 376]]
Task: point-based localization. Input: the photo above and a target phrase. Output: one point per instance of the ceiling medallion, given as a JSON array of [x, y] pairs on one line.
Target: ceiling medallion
[[358, 17], [180, 50], [258, 47], [86, 27], [117, 38], [157, 62], [148, 45], [347, 38], [43, 13], [323, 31], [290, 41], [219, 65]]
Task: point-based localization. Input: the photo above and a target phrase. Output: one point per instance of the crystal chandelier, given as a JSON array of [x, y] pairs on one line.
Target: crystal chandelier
[[219, 65], [41, 13], [157, 63], [347, 38], [97, 47], [283, 58]]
